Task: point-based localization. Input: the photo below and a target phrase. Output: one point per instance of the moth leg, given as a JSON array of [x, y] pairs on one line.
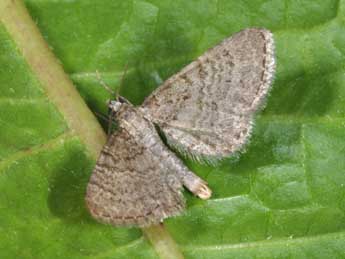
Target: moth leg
[[196, 185]]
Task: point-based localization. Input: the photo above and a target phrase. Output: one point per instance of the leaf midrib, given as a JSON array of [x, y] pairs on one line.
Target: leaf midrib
[[277, 242]]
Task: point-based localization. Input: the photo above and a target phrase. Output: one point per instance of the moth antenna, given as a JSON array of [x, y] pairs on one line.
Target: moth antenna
[[103, 84], [117, 93]]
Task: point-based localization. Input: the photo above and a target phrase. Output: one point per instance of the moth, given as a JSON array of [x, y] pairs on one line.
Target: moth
[[205, 111]]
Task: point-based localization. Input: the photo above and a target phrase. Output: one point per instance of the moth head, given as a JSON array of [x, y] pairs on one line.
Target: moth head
[[115, 105]]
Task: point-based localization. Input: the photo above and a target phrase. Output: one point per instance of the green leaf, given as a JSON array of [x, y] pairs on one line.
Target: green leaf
[[282, 198]]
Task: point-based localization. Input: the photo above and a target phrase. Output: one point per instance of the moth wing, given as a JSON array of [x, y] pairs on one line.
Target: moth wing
[[207, 108], [128, 186]]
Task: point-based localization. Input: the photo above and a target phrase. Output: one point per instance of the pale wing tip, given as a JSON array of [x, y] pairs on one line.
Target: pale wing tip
[[203, 191]]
